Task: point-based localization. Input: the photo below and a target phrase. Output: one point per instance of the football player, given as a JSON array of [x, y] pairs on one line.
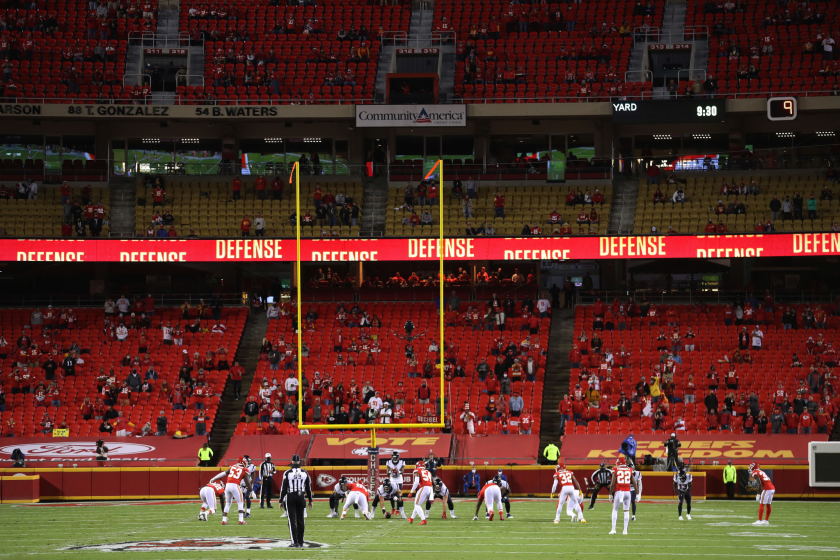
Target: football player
[[423, 485], [622, 482], [386, 492], [214, 490], [236, 474], [635, 495], [441, 492], [682, 487], [505, 488], [765, 497], [356, 494], [250, 494], [492, 494], [396, 467], [569, 494], [339, 496]]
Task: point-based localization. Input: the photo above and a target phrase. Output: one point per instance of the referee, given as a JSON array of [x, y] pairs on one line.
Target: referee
[[294, 494], [600, 479], [267, 470]]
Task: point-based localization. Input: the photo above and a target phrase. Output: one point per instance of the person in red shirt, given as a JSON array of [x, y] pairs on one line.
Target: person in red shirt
[[199, 396], [277, 188], [499, 205], [792, 422], [806, 421], [246, 226], [236, 187], [158, 194], [721, 227], [433, 194], [261, 185], [710, 227], [236, 373]]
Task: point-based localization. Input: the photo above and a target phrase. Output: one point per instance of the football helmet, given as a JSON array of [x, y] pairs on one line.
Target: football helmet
[[342, 480], [561, 465], [395, 456], [621, 461], [386, 484], [753, 467], [437, 483], [420, 464], [247, 459], [497, 480], [241, 461]]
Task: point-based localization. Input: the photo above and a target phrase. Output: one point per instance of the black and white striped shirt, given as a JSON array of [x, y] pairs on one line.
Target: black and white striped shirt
[[296, 480], [267, 470], [602, 476]]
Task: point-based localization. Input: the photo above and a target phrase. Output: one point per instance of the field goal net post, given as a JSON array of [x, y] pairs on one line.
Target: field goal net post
[[373, 450]]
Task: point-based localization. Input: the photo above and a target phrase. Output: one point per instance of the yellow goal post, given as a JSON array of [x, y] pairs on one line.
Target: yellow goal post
[[295, 176]]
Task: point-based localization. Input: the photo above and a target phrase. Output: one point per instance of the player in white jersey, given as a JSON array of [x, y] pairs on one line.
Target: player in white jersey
[[339, 496], [491, 494], [635, 495], [569, 494], [386, 492], [209, 494], [423, 485], [250, 467], [622, 482], [441, 492], [396, 468], [682, 487]]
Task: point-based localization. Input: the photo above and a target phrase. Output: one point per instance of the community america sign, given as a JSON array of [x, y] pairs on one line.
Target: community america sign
[[410, 115]]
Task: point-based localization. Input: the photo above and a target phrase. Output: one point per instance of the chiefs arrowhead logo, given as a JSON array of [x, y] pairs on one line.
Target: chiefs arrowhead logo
[[186, 545], [324, 480]]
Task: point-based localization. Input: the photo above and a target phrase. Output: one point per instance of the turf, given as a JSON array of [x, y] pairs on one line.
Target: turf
[[719, 528]]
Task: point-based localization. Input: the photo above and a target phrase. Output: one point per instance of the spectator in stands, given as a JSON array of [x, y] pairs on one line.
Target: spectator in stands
[[161, 424], [775, 207], [259, 225], [245, 226], [499, 205], [812, 207], [653, 173]]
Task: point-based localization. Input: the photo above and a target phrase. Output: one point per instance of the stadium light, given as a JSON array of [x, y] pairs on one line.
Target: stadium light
[[295, 175]]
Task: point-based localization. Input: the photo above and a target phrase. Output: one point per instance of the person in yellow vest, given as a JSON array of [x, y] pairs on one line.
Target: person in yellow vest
[[729, 478], [204, 455], [551, 452]]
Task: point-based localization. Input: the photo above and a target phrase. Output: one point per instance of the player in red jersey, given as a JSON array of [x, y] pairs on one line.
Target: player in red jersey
[[236, 474], [765, 497], [491, 493], [356, 494], [214, 489], [622, 482], [423, 486], [569, 490]]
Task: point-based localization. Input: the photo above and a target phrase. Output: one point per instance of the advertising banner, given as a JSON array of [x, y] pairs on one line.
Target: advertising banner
[[778, 449], [411, 115], [470, 248], [123, 451], [355, 446]]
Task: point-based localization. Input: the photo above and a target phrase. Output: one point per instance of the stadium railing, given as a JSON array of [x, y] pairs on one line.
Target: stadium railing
[[684, 296], [168, 300]]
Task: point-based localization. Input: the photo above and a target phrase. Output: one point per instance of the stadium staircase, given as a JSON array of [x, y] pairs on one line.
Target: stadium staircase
[[623, 214], [374, 206], [123, 201], [230, 410], [557, 371], [673, 31]]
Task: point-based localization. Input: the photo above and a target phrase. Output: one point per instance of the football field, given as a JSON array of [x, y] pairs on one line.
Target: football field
[[170, 530]]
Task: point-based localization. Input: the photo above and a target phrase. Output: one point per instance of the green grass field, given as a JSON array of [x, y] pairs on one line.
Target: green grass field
[[718, 528]]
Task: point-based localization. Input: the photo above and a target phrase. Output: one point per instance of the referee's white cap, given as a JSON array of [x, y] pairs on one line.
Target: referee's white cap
[[268, 455]]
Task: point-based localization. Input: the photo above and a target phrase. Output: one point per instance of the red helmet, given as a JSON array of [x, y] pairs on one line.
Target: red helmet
[[240, 461], [621, 461], [561, 465], [753, 467], [421, 464]]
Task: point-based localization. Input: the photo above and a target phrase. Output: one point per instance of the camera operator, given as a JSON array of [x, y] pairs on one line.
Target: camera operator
[[672, 446]]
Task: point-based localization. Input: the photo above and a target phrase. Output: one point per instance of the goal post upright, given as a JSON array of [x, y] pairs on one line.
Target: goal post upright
[[295, 176]]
